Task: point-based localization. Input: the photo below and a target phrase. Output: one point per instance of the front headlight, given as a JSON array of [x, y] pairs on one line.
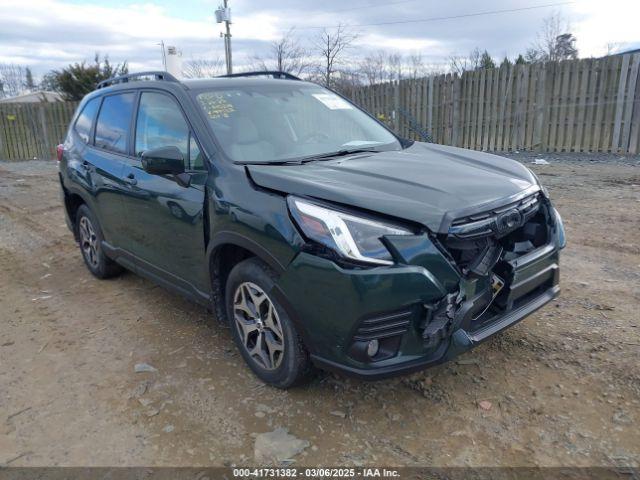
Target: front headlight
[[543, 189], [353, 237], [561, 238]]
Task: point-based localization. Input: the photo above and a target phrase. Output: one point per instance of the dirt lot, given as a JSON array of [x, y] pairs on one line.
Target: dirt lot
[[560, 388]]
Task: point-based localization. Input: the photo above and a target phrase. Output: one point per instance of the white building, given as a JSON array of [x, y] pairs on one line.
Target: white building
[[34, 97]]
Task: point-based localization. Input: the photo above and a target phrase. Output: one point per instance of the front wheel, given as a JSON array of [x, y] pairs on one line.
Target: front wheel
[[90, 237], [261, 328]]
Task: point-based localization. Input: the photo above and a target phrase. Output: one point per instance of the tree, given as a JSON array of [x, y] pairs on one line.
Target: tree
[[346, 81], [285, 55], [203, 68], [28, 82], [521, 60], [416, 67], [506, 62], [331, 45], [394, 61], [554, 42], [486, 61], [48, 82], [565, 47], [12, 78], [460, 64], [383, 66], [76, 80], [373, 67]]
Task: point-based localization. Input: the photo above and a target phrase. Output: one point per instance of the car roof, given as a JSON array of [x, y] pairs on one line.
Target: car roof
[[193, 84], [217, 82]]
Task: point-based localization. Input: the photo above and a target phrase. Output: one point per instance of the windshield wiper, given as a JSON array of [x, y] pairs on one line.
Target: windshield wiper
[[312, 158], [338, 153]]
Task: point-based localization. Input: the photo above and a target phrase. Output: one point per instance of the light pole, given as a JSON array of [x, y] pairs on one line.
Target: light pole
[[223, 14]]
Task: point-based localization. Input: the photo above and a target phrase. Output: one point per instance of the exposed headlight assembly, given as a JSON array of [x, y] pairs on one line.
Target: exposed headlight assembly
[[559, 226], [352, 237], [543, 189]]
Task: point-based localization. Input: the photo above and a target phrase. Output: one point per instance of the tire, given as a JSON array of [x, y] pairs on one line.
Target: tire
[[90, 238], [256, 330]]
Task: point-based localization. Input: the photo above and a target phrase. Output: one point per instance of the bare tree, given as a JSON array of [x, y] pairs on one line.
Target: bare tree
[[12, 79], [331, 46], [203, 68], [347, 80], [459, 64], [395, 66], [383, 66], [554, 42], [416, 66], [285, 55], [373, 67]]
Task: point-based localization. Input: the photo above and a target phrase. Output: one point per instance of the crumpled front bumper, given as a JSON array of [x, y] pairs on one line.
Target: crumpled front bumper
[[330, 304], [459, 342]]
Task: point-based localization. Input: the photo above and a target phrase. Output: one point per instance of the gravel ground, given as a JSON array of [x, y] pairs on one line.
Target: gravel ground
[[560, 388]]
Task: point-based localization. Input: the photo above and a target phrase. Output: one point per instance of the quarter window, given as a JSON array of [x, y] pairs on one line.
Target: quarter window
[[160, 123], [112, 128], [84, 123]]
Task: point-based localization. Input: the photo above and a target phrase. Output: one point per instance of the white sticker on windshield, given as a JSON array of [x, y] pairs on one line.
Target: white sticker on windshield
[[334, 102]]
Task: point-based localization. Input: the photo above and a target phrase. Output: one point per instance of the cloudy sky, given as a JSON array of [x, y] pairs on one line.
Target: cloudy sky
[[46, 34]]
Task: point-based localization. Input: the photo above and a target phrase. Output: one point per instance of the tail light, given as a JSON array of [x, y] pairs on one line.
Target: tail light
[[59, 152]]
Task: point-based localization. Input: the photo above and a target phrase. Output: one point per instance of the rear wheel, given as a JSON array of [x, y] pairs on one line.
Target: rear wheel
[[261, 328], [90, 237]]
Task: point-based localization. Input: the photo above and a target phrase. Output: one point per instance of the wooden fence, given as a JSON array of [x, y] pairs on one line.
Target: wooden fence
[[580, 105], [32, 130]]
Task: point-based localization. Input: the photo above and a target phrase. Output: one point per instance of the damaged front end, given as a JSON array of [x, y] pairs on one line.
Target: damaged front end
[[507, 260], [444, 292]]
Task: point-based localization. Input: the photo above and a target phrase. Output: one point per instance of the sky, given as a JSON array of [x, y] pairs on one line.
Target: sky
[[50, 34]]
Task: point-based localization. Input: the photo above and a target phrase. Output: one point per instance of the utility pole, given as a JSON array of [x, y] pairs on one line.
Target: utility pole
[[163, 54], [223, 14]]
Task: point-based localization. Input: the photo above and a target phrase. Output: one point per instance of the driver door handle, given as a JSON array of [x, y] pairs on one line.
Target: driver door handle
[[131, 179]]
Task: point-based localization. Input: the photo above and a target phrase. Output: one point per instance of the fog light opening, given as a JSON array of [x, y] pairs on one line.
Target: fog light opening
[[372, 348]]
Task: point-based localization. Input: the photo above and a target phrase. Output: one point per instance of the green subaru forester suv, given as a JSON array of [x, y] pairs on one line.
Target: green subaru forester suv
[[320, 236]]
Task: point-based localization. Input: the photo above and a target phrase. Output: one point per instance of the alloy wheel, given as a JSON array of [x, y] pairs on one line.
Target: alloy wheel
[[88, 242], [258, 325]]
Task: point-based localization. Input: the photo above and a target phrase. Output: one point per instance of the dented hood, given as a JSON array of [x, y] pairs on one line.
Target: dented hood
[[423, 183]]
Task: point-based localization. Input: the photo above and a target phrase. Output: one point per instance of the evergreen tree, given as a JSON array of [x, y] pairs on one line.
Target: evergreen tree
[[29, 83], [76, 80], [486, 61], [521, 60]]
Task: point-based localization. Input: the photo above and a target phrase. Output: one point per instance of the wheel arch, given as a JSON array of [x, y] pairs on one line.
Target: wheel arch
[[73, 199], [234, 248], [226, 250]]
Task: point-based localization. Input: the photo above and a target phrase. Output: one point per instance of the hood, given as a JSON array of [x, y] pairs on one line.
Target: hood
[[424, 183]]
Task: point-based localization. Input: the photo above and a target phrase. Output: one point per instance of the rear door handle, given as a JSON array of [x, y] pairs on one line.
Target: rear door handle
[[131, 179], [85, 165]]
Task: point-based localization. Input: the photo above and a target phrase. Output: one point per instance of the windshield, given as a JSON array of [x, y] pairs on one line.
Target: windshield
[[279, 121]]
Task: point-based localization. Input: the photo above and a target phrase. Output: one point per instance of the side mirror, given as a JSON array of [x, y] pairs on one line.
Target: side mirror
[[163, 161]]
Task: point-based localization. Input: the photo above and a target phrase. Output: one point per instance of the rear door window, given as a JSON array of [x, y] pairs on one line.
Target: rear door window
[[84, 123], [112, 128]]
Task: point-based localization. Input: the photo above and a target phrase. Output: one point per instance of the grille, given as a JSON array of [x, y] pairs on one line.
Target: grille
[[488, 223], [383, 326]]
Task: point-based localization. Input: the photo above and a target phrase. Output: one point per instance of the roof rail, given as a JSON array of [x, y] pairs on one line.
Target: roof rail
[[271, 73], [157, 75]]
